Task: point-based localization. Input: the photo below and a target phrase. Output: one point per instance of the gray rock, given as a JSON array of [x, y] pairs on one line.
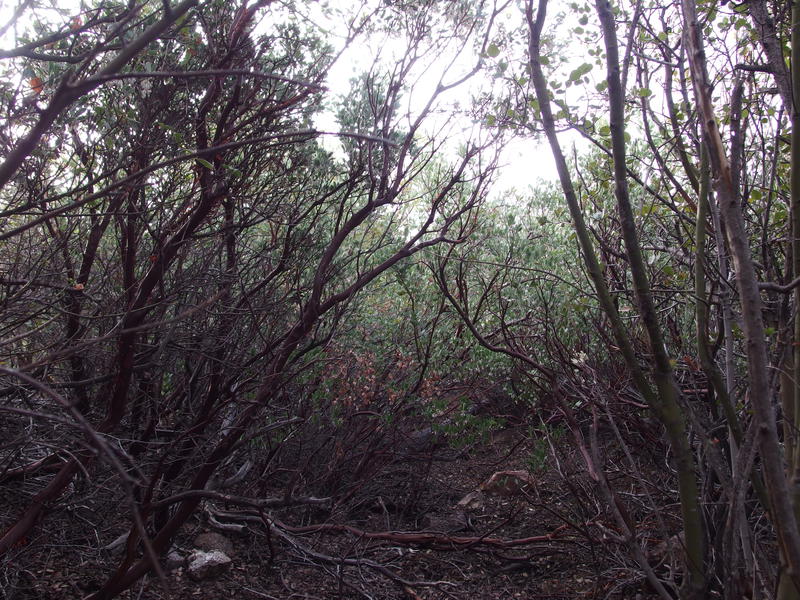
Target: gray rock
[[507, 483], [473, 501], [174, 560], [424, 441], [203, 565], [214, 541]]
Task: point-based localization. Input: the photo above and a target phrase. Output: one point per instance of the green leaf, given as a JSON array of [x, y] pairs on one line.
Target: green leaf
[[605, 131], [645, 92], [233, 171], [580, 72], [205, 163], [493, 51], [491, 120]]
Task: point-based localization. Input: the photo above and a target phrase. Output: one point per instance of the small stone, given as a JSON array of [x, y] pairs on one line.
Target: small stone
[[424, 441], [174, 560], [203, 565], [507, 483], [472, 501]]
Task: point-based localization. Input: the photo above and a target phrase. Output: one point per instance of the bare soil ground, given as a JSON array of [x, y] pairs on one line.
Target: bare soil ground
[[408, 538]]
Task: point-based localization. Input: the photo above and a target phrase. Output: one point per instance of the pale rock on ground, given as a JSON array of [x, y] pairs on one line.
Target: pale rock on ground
[[174, 560], [202, 565]]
